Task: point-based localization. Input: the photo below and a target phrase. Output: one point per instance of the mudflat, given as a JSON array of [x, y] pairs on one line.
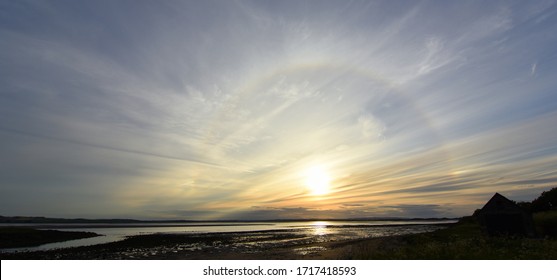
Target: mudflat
[[272, 244], [464, 240]]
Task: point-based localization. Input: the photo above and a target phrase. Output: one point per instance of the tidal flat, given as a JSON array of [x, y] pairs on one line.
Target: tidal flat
[[292, 243], [462, 240]]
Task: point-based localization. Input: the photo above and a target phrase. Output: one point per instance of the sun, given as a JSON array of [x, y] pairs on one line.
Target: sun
[[317, 180]]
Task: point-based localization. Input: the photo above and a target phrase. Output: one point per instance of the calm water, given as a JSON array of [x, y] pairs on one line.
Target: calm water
[[316, 230]]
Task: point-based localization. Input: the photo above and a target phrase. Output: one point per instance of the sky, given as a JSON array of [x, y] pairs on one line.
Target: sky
[[274, 109]]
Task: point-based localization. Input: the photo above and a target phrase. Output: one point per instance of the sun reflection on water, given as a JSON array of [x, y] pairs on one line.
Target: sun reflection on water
[[320, 228]]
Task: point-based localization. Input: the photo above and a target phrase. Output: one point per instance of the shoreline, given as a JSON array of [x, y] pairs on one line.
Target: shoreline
[[266, 244]]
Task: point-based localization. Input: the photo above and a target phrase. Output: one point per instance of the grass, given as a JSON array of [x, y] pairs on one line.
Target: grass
[[465, 240], [14, 237], [546, 223]]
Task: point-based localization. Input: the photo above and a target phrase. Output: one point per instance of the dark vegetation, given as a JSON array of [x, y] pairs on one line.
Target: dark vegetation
[[547, 201], [465, 240], [468, 240], [544, 210], [14, 237], [546, 223]]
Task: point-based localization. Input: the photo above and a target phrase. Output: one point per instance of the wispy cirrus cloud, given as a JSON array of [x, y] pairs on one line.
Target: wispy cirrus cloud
[[217, 109]]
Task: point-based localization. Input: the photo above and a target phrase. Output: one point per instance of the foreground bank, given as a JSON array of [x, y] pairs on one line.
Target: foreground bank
[[462, 241]]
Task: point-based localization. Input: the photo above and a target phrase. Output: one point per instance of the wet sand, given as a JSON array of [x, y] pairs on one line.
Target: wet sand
[[271, 244]]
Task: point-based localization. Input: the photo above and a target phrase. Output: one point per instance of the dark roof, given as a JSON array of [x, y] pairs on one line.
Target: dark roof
[[499, 203]]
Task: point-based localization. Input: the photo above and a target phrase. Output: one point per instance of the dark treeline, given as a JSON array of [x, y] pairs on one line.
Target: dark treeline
[[547, 201]]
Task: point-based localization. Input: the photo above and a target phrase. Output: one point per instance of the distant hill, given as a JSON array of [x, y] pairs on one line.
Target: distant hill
[[42, 220], [45, 220]]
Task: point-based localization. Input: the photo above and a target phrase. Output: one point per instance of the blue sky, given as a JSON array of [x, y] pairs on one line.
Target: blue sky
[[218, 109]]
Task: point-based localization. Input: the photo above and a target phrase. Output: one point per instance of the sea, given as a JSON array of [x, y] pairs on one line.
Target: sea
[[315, 230]]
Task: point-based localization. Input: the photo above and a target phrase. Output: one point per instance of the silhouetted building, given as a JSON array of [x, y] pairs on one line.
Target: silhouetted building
[[501, 216]]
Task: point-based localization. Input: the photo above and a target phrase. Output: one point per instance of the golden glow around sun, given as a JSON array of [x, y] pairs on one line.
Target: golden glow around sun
[[317, 180]]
